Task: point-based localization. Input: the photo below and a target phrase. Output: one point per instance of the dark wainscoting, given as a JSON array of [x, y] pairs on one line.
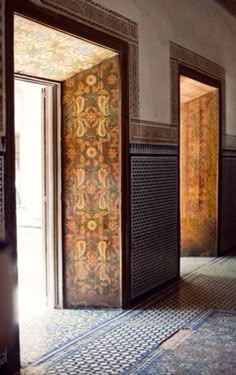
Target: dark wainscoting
[[228, 201], [154, 220]]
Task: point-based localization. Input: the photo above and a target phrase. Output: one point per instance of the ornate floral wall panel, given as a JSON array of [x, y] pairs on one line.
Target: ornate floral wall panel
[[41, 51], [91, 186], [198, 166]]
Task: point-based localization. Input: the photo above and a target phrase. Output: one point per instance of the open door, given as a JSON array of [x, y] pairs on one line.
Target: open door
[[36, 208], [51, 120]]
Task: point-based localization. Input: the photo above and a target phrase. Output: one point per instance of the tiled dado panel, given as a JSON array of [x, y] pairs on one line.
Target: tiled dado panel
[[154, 237], [228, 201]]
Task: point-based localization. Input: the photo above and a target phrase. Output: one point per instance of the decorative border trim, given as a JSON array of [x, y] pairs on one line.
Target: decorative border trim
[[229, 141], [196, 61], [150, 149], [229, 153], [182, 56], [153, 132], [96, 15]]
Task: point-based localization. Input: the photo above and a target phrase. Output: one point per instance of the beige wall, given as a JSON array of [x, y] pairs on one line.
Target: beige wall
[[201, 26]]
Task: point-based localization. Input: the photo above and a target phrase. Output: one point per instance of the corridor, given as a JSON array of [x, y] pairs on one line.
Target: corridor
[[189, 329]]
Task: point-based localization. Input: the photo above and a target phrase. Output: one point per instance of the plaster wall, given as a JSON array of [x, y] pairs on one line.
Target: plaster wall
[[201, 26]]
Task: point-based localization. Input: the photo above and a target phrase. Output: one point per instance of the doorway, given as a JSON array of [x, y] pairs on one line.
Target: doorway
[[103, 234], [31, 231], [199, 171]]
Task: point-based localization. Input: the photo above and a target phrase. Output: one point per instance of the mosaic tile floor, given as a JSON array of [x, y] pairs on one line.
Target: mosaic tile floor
[[127, 343], [55, 328], [209, 349]]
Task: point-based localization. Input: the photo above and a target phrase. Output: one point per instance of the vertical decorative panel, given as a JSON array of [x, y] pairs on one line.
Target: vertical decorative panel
[[228, 203], [91, 101], [154, 258], [199, 170]]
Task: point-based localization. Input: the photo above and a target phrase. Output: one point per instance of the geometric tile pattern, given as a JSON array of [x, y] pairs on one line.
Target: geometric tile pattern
[[228, 203], [210, 349], [153, 222], [122, 345], [55, 328], [151, 149], [153, 132]]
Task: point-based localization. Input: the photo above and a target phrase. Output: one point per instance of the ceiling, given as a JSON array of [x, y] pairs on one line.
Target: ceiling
[[191, 89], [44, 52]]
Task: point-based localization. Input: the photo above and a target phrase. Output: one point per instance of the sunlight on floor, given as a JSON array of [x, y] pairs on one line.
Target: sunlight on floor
[[32, 298]]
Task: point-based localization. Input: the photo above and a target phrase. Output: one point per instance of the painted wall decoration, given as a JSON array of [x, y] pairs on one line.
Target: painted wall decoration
[[44, 52], [198, 168], [91, 101]]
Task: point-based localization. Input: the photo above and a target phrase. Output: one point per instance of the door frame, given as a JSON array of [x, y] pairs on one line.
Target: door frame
[[217, 83], [49, 18]]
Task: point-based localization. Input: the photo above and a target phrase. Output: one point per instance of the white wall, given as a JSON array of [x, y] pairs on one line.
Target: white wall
[[201, 26]]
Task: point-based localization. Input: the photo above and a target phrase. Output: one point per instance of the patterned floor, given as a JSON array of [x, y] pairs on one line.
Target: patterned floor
[[209, 349], [130, 342], [191, 264], [53, 329]]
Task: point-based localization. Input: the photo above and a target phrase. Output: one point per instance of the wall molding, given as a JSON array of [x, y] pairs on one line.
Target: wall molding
[[96, 15], [229, 142], [144, 131], [151, 149], [229, 153]]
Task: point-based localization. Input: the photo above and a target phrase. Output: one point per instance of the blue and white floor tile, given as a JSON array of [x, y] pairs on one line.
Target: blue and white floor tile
[[129, 343]]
